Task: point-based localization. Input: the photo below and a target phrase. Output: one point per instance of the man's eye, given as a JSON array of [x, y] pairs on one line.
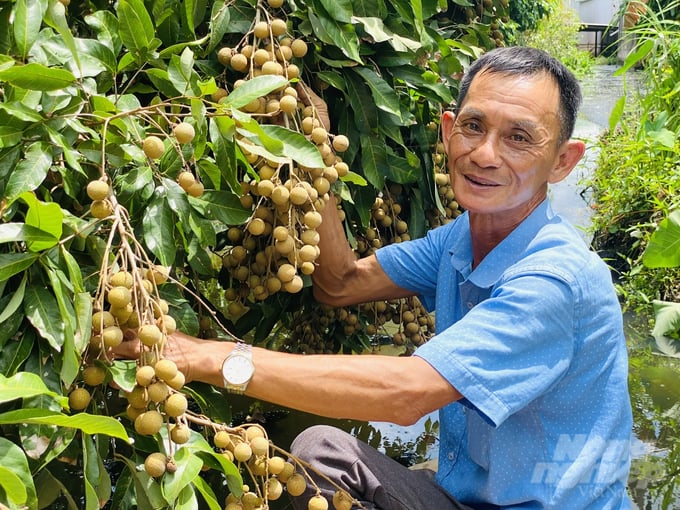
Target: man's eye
[[519, 138], [471, 125]]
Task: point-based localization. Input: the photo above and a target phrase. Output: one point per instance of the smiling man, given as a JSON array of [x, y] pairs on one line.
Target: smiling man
[[528, 367]]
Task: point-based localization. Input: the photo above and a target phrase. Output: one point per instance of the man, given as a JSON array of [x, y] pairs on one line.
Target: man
[[528, 367]]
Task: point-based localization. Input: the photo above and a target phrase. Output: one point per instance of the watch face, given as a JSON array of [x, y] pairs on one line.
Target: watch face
[[237, 369]]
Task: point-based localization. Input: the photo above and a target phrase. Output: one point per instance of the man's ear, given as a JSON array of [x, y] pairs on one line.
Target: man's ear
[[448, 120], [569, 155]]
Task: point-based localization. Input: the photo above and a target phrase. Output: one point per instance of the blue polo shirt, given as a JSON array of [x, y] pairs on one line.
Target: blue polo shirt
[[533, 340]]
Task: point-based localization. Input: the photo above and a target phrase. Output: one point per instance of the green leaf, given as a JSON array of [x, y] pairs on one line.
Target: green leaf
[[26, 25], [365, 112], [180, 71], [15, 302], [208, 494], [12, 486], [383, 94], [342, 35], [87, 423], [14, 232], [123, 374], [340, 10], [252, 89], [10, 136], [14, 463], [374, 160], [55, 16], [219, 23], [635, 57], [41, 310], [136, 27], [663, 249], [223, 206], [188, 468], [159, 228], [46, 216], [36, 76], [295, 146], [26, 385], [30, 172], [13, 263], [617, 113]]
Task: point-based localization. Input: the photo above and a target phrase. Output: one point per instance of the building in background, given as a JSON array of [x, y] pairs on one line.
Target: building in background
[[601, 20]]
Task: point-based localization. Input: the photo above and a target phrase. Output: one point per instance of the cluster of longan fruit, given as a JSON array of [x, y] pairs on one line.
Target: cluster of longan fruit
[[249, 447], [442, 179]]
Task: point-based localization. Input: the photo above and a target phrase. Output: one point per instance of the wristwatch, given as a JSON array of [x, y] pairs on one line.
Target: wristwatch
[[238, 368]]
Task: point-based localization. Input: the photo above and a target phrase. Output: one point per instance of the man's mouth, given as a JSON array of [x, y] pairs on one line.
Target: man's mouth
[[479, 181]]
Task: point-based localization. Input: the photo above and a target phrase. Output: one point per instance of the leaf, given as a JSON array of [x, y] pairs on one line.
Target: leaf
[[188, 468], [635, 57], [15, 302], [28, 16], [46, 216], [55, 16], [10, 136], [13, 263], [123, 374], [15, 232], [667, 318], [159, 227], [41, 310], [373, 160], [219, 23], [208, 494], [14, 463], [295, 146], [136, 27], [383, 94], [343, 36], [223, 206], [663, 249], [87, 423], [252, 89], [26, 385], [365, 112], [30, 172], [617, 113], [36, 76], [340, 10]]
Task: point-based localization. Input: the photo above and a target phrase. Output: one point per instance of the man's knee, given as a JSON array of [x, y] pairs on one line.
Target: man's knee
[[318, 436]]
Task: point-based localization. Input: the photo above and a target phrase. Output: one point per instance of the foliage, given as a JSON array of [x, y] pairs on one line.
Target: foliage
[[557, 32], [638, 171], [85, 86]]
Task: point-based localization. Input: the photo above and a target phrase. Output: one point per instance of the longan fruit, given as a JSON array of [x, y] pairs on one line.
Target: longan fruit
[[319, 135], [259, 445], [94, 375], [239, 62], [298, 195], [145, 375], [185, 179], [340, 143], [275, 465], [224, 55], [158, 274], [294, 285], [184, 132], [296, 484], [155, 464], [158, 391], [150, 334], [101, 320], [222, 439], [176, 405], [149, 423], [180, 433], [342, 500], [165, 369], [176, 382], [101, 209], [98, 190], [310, 236], [287, 471], [317, 503], [285, 273], [119, 296], [196, 189], [79, 399], [272, 68], [274, 489], [112, 336], [307, 253], [242, 452], [278, 27], [167, 324], [288, 104], [256, 227], [299, 48], [137, 397], [275, 4], [312, 219], [153, 147], [220, 93], [280, 195], [261, 30]]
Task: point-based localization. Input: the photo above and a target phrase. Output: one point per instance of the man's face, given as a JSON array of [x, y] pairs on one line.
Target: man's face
[[503, 146]]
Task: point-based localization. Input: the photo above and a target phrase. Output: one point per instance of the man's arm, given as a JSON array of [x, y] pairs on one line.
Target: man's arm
[[363, 387], [340, 278]]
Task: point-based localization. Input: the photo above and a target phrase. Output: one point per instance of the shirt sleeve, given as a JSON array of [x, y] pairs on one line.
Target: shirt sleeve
[[510, 348]]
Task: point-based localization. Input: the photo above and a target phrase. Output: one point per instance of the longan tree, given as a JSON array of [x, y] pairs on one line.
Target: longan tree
[[160, 169]]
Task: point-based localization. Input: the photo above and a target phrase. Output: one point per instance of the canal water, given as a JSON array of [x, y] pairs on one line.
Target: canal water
[[418, 443]]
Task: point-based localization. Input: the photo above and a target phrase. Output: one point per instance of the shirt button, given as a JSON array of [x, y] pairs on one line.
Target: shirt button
[[451, 456], [470, 304]]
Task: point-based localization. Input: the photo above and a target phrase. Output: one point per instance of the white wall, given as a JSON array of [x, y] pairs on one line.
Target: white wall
[[600, 12]]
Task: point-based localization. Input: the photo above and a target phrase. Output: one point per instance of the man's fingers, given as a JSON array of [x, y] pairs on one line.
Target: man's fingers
[[309, 98]]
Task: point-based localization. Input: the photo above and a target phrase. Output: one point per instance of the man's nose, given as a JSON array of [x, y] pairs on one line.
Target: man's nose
[[486, 153]]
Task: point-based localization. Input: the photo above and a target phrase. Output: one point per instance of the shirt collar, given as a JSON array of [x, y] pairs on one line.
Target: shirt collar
[[506, 253]]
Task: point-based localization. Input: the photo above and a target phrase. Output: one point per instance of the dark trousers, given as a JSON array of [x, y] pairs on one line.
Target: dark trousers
[[377, 481]]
